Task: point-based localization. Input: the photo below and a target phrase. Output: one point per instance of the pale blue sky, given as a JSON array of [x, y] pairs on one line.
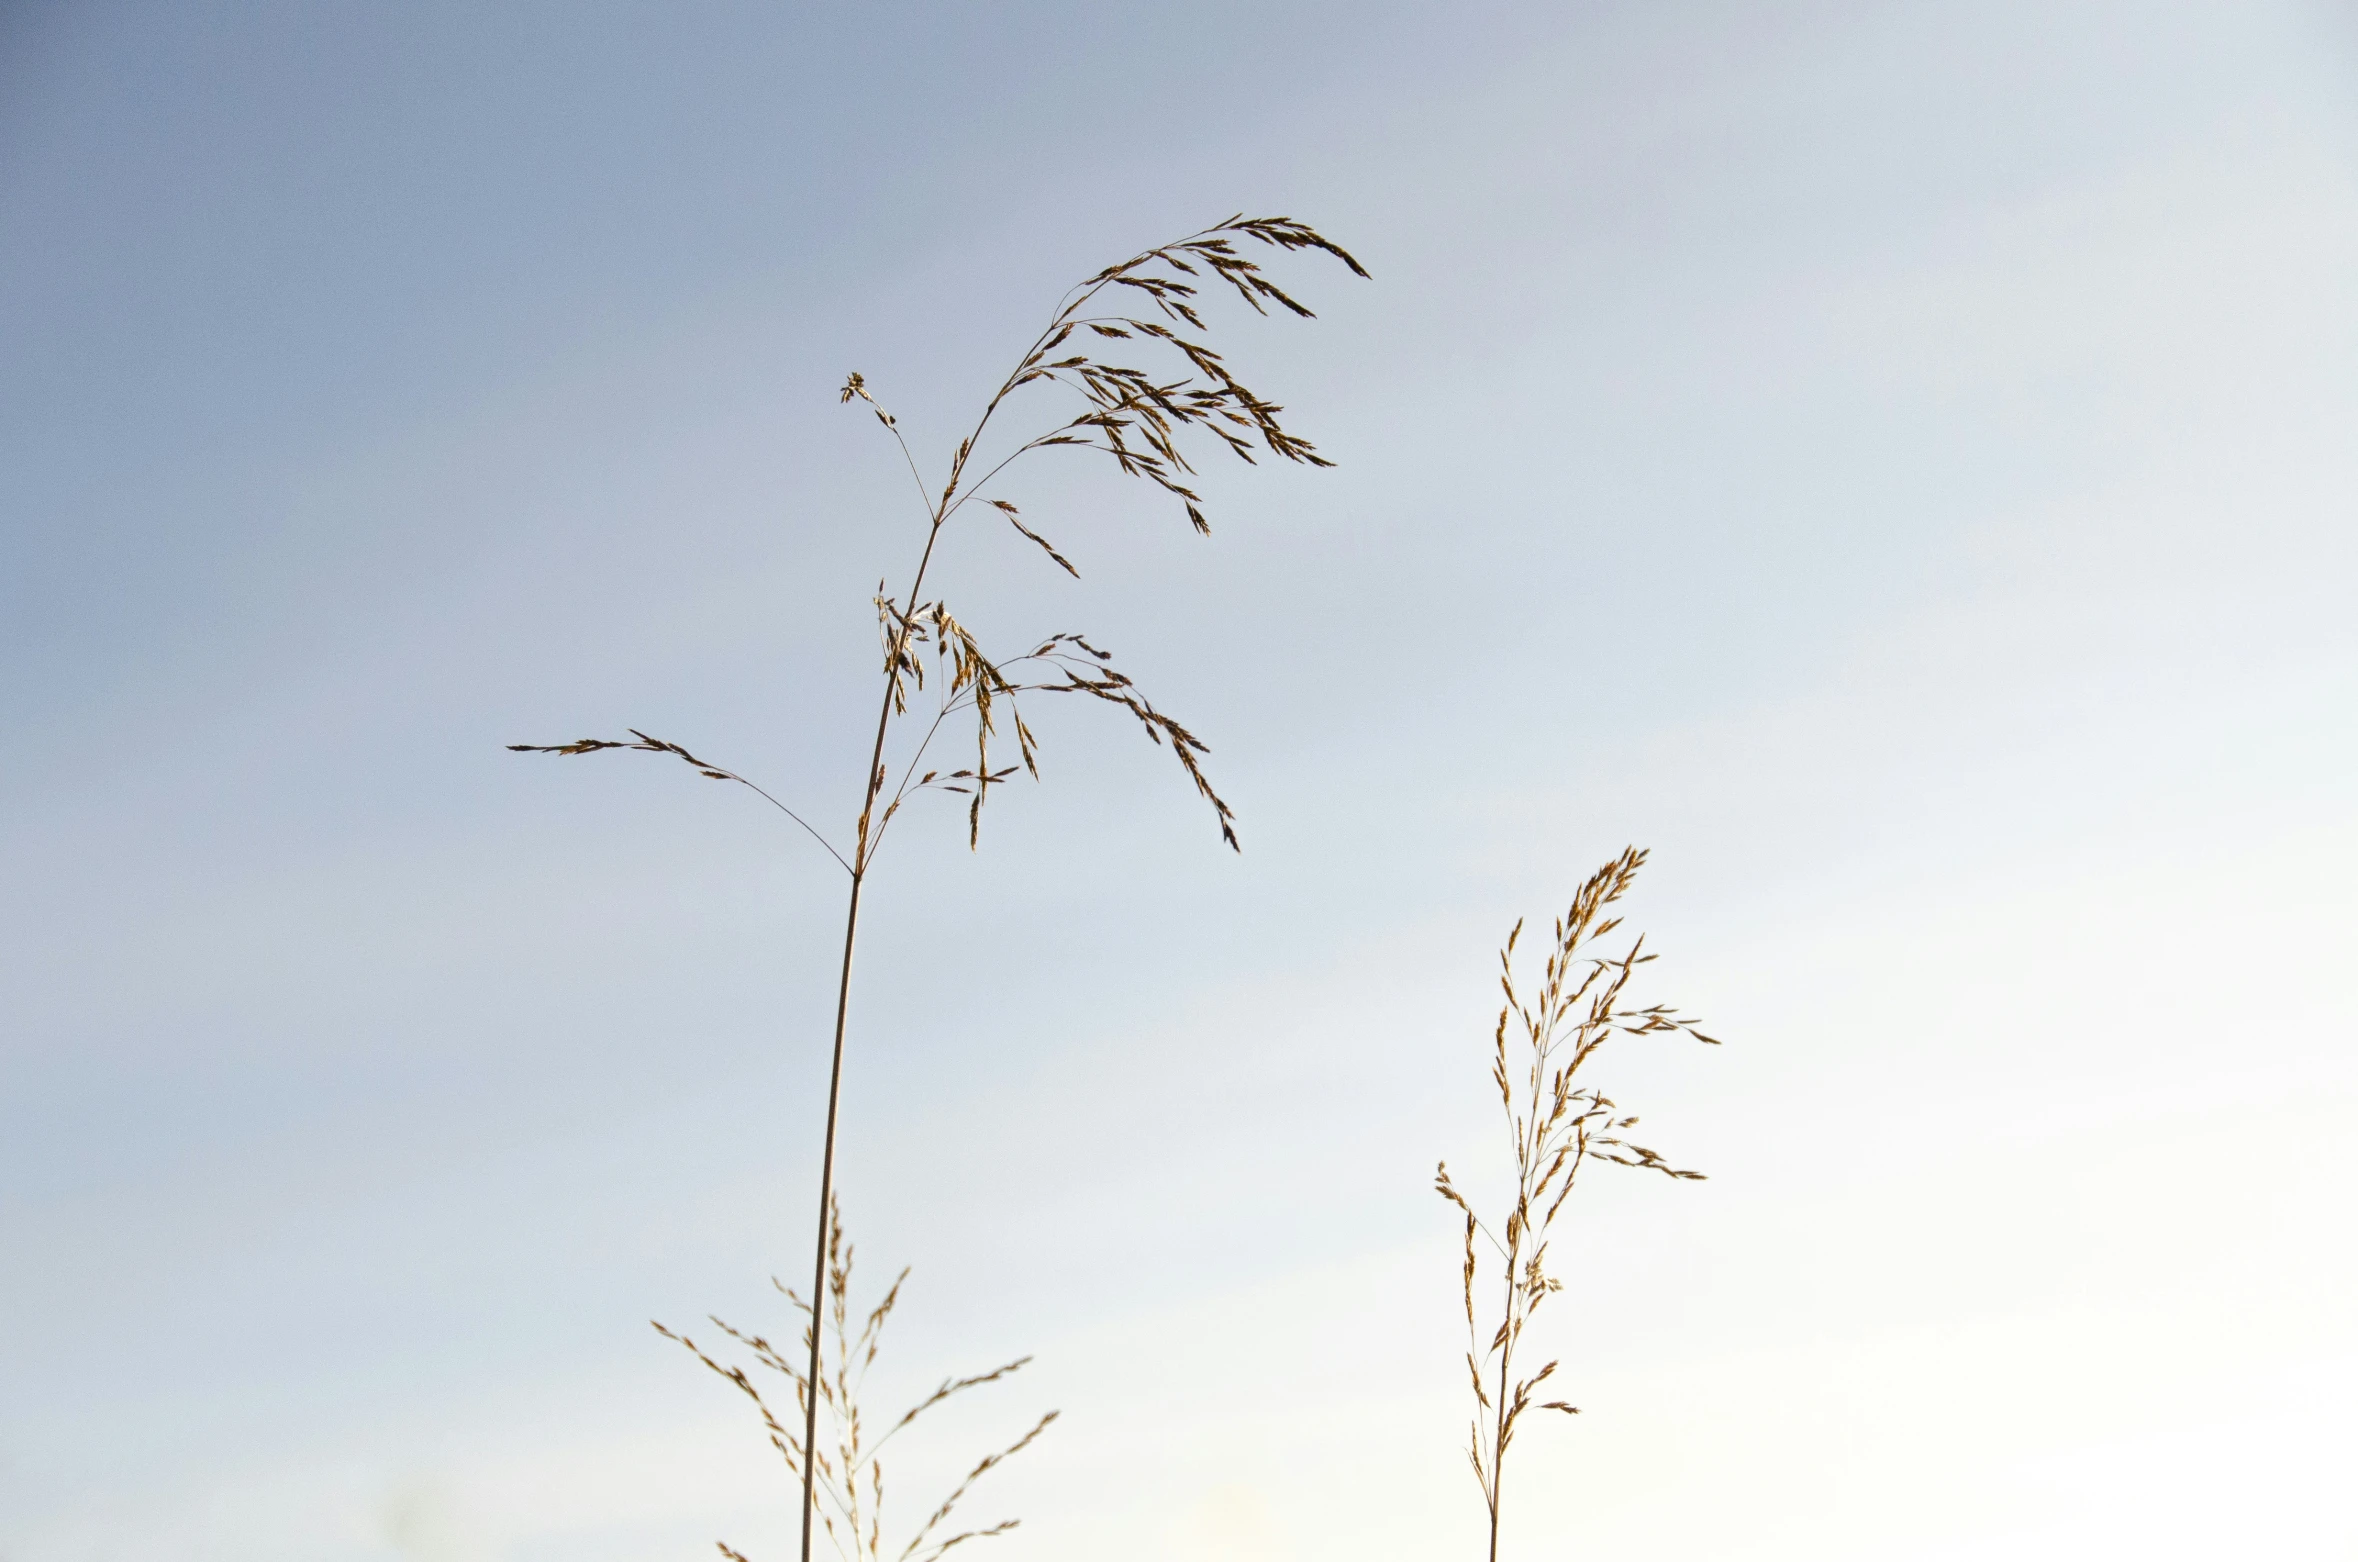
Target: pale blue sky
[[1892, 460]]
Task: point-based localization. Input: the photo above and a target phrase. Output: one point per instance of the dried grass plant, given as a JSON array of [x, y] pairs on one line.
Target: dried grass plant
[[849, 1477], [1150, 310], [1558, 1124]]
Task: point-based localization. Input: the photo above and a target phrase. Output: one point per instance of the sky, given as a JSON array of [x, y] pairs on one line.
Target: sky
[[1891, 461]]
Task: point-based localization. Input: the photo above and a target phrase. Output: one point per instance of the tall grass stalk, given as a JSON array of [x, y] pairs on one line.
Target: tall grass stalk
[[1557, 1124], [1151, 305]]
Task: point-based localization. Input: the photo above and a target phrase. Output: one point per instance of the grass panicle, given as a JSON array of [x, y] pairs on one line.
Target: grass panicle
[[1558, 1123], [848, 1474], [1128, 350]]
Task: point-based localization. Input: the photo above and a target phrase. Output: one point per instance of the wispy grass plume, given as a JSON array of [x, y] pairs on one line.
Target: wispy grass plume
[[848, 1476], [1557, 1124], [1127, 353]]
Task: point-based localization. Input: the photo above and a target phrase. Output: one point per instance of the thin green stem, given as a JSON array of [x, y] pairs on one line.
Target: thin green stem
[[862, 852], [1506, 1356], [810, 1416]]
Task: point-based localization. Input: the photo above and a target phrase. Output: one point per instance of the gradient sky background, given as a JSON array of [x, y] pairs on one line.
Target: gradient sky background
[[1895, 461]]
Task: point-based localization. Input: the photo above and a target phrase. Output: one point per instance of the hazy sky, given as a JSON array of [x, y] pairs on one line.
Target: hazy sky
[[1895, 461]]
